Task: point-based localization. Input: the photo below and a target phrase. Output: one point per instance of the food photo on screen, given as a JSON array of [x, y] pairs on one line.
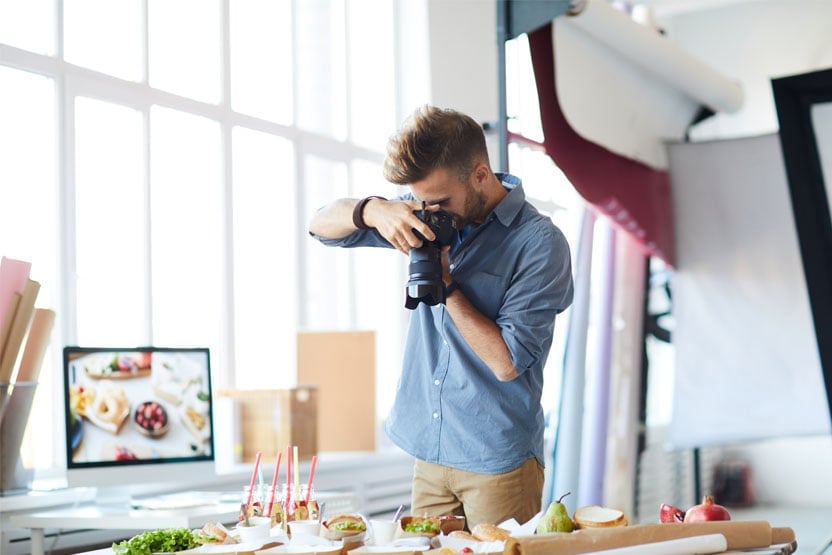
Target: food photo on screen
[[137, 405]]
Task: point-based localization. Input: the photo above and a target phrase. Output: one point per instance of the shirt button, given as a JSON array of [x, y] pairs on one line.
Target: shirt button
[[451, 266], [435, 382], [436, 415]]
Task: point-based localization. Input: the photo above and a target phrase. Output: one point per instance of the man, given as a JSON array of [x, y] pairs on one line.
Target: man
[[468, 400]]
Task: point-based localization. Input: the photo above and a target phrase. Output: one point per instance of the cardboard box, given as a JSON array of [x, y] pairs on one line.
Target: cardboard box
[[272, 419], [342, 365]]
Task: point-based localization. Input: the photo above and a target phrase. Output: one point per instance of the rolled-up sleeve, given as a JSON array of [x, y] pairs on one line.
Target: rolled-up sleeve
[[541, 288], [360, 238]]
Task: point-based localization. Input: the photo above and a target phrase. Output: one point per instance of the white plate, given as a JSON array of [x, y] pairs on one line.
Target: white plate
[[386, 549]]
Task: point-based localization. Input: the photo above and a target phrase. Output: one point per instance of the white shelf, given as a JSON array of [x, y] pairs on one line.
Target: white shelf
[[116, 518], [40, 499]]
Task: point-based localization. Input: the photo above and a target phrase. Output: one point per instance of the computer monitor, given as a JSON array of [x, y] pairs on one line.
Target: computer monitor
[[137, 417]]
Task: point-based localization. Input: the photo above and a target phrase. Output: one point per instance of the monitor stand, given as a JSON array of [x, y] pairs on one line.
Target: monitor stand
[[113, 496]]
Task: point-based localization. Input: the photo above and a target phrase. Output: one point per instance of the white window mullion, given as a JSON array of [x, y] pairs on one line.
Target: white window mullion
[[147, 254], [227, 351]]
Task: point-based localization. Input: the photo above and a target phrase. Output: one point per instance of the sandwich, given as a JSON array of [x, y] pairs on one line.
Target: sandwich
[[421, 526], [344, 526], [214, 533]]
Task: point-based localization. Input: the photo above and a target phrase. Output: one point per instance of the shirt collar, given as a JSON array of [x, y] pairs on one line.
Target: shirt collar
[[510, 206]]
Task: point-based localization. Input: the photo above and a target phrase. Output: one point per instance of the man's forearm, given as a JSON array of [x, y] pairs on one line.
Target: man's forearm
[[334, 221], [482, 335]]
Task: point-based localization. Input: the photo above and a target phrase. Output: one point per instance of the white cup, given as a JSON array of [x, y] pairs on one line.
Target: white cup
[[304, 528], [259, 529], [384, 531]]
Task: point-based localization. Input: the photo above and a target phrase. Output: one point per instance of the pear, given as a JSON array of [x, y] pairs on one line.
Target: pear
[[556, 518]]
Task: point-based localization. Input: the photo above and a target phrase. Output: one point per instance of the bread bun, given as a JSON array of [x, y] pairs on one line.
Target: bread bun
[[463, 535], [490, 533], [595, 516]]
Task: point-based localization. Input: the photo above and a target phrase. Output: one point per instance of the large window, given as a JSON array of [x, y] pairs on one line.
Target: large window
[[159, 171], [159, 161]]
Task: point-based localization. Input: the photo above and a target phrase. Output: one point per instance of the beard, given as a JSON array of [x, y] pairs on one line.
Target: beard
[[474, 208]]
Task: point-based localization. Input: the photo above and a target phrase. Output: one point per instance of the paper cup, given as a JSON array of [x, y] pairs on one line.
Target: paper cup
[[259, 529], [304, 528], [384, 531]]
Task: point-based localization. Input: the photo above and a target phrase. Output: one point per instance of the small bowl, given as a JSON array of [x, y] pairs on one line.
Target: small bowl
[[151, 418], [451, 523]]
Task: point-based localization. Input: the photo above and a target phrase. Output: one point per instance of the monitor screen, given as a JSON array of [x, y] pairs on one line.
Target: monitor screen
[[137, 408]]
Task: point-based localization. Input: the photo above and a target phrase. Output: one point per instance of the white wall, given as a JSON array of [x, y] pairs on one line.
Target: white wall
[[463, 56]]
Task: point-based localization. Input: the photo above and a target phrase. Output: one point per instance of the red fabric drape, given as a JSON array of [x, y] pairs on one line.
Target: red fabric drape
[[635, 196]]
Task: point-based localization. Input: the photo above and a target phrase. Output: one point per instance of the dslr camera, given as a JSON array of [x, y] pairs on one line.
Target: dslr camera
[[424, 283]]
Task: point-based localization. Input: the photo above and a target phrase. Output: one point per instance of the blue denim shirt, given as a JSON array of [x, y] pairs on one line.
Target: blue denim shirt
[[515, 268]]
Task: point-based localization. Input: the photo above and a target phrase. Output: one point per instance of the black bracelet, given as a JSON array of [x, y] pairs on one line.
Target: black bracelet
[[358, 212], [450, 288]]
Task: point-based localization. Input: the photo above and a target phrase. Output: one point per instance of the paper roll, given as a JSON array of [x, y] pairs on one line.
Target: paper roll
[[37, 342], [782, 535], [659, 55], [18, 329], [738, 535], [696, 545]]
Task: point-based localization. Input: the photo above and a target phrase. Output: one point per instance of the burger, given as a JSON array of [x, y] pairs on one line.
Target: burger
[[421, 526], [344, 526]]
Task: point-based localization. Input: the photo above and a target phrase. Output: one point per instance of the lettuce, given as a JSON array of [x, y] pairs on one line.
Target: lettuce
[[165, 540]]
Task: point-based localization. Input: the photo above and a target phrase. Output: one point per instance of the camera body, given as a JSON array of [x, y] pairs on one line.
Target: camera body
[[424, 283]]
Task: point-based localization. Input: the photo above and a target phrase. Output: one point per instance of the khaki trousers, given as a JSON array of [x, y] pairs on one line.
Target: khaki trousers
[[482, 498]]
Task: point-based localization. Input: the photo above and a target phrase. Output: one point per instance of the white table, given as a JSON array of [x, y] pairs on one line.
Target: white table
[[217, 508], [121, 518]]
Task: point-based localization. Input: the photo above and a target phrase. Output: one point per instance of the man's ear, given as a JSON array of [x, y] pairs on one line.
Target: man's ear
[[482, 173]]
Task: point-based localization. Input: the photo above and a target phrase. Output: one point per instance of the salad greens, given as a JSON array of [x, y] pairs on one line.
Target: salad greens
[[348, 525], [165, 540], [428, 526]]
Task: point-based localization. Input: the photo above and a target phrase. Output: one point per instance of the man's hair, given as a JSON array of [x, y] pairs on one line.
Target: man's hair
[[433, 138]]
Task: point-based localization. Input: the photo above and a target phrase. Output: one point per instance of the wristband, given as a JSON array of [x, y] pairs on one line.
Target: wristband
[[450, 288], [358, 212]]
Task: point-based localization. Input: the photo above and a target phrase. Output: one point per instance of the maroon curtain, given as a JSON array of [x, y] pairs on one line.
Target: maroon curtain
[[635, 196]]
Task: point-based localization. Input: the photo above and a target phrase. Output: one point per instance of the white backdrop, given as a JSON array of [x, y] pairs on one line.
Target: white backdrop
[[747, 364]]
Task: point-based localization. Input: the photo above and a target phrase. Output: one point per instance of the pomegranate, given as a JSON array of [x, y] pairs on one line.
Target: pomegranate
[[669, 513], [707, 511]]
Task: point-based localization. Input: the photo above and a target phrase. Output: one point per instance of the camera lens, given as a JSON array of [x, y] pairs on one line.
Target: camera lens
[[424, 282]]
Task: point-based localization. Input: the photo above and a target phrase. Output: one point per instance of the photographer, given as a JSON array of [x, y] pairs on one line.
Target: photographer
[[468, 400]]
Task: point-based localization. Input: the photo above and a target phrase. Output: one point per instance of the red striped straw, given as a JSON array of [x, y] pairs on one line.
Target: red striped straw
[[274, 483], [311, 475], [253, 477]]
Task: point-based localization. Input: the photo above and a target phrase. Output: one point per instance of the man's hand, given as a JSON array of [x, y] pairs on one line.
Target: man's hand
[[395, 221], [446, 266]]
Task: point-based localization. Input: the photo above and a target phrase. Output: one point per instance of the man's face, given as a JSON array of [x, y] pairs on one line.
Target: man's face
[[461, 199]]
